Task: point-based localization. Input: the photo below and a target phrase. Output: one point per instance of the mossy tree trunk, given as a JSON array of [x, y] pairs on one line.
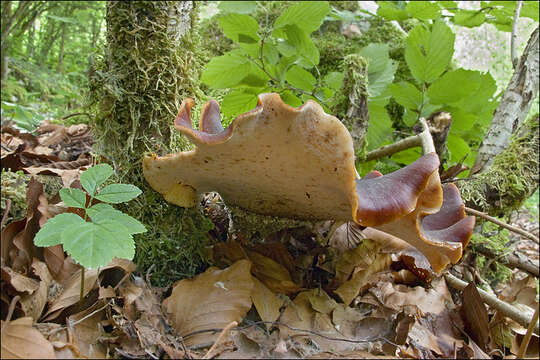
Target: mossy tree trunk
[[149, 67]]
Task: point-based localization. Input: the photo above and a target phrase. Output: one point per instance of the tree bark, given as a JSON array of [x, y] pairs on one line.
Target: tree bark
[[513, 108], [150, 67]]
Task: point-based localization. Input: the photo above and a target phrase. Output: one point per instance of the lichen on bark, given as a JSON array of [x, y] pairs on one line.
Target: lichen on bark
[[511, 179]]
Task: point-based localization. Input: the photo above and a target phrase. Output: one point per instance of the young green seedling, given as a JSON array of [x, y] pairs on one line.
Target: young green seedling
[[104, 232]]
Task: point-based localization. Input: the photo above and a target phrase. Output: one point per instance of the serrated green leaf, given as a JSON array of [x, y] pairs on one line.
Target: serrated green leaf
[[226, 71], [239, 28], [408, 156], [118, 193], [334, 80], [380, 126], [50, 232], [453, 86], [428, 108], [461, 120], [302, 44], [73, 197], [307, 15], [93, 177], [410, 117], [391, 11], [238, 102], [428, 53], [240, 7], [380, 68], [480, 100], [469, 18], [300, 78], [270, 53], [406, 95], [101, 212], [93, 245], [423, 10]]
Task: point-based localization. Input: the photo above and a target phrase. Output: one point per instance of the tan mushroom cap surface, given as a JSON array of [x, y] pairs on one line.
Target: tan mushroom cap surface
[[299, 163]]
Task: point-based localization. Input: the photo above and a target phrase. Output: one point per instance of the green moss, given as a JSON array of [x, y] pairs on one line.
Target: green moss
[[511, 179], [147, 71], [14, 188]]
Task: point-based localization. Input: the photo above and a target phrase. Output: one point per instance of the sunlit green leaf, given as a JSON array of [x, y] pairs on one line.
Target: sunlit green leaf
[[118, 193], [73, 197], [407, 95], [226, 71], [423, 10], [334, 80], [237, 102], [50, 232], [101, 212], [391, 11], [239, 27], [240, 7], [380, 126], [453, 86], [307, 15], [300, 78], [93, 177], [469, 18]]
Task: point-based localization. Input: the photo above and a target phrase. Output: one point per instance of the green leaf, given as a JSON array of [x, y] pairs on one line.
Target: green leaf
[[458, 148], [290, 99], [238, 102], [410, 117], [447, 4], [239, 28], [380, 68], [469, 18], [428, 108], [270, 53], [307, 15], [50, 232], [480, 100], [93, 245], [118, 193], [408, 156], [240, 7], [226, 71], [530, 9], [92, 178], [334, 80], [406, 95], [428, 53], [461, 120], [423, 10], [453, 86], [73, 197], [302, 44], [300, 78], [380, 126], [100, 213], [391, 11]]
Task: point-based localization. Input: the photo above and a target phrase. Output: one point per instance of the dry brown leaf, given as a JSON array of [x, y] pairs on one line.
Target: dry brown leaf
[[227, 253], [266, 302], [211, 300], [87, 330], [475, 316], [21, 341], [277, 252], [321, 302], [60, 266], [20, 282], [8, 235], [271, 273], [106, 292], [359, 258], [33, 304]]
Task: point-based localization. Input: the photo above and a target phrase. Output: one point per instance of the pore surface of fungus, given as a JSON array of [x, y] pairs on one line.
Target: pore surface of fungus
[[299, 163]]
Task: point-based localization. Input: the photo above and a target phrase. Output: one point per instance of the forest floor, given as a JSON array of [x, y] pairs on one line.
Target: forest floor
[[270, 299]]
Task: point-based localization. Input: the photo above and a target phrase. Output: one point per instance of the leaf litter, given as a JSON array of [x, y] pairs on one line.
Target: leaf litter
[[367, 295]]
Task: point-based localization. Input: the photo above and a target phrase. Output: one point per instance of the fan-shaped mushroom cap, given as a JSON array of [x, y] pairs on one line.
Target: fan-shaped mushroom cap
[[299, 163]]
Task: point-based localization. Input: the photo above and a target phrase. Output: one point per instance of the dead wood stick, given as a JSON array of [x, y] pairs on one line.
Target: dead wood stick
[[527, 338], [10, 312], [503, 307], [511, 260], [513, 38], [422, 139], [212, 351], [503, 224]]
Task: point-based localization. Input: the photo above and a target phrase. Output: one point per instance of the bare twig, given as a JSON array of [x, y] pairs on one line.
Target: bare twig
[[10, 312], [6, 213], [513, 38], [503, 224], [422, 139], [212, 351], [527, 338], [511, 260], [503, 307]]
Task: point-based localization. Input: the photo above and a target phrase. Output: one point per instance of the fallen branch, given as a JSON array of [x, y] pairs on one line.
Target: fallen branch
[[212, 351], [503, 224], [527, 338], [10, 312], [503, 307], [511, 261], [422, 139]]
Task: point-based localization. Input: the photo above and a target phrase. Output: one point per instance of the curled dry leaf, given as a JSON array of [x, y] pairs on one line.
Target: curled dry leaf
[[210, 300], [19, 282], [87, 329], [21, 341], [266, 302], [33, 304], [475, 316]]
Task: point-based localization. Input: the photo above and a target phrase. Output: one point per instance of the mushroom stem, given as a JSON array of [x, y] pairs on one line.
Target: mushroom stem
[[506, 309], [422, 139]]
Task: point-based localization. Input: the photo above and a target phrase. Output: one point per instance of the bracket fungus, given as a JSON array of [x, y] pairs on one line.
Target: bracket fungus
[[299, 163]]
